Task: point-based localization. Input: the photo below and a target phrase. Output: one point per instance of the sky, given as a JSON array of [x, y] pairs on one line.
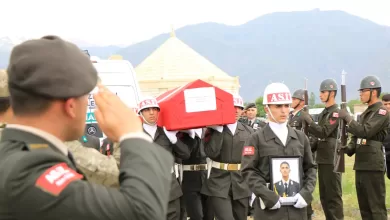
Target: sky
[[125, 22]]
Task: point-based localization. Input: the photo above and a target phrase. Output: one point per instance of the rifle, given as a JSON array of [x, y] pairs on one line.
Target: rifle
[[305, 109], [339, 160]]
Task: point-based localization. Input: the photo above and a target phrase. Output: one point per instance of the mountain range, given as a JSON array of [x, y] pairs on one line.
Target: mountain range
[[279, 47]]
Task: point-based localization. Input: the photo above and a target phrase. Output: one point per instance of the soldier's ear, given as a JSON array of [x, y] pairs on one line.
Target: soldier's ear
[[266, 109]]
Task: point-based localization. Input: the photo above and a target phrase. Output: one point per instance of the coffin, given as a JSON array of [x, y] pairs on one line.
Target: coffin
[[194, 105]]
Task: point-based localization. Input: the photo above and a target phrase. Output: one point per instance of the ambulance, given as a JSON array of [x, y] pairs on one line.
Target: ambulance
[[118, 76]]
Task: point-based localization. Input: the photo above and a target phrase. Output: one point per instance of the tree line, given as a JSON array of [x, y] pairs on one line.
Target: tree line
[[312, 104]]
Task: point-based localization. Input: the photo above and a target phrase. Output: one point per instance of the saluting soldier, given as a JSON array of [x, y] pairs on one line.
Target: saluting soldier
[[251, 120], [296, 121], [228, 192], [49, 82], [326, 132], [277, 139], [386, 141], [149, 109], [5, 109], [366, 144]]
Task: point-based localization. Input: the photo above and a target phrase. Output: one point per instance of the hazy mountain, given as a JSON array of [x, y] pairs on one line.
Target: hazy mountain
[[287, 47], [283, 46]]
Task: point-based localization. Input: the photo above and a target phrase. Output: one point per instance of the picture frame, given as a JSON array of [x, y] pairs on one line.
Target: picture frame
[[286, 177]]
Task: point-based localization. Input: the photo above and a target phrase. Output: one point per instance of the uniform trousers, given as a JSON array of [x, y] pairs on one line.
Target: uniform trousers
[[229, 209], [330, 192], [371, 193], [183, 211], [197, 206], [174, 210]]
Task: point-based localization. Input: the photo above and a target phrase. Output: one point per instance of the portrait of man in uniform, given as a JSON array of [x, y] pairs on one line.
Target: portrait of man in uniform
[[285, 176]]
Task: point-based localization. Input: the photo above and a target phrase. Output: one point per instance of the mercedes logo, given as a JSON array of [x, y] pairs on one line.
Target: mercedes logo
[[91, 130]]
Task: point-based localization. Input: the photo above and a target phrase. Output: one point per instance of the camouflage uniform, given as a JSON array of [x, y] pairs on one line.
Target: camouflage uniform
[[97, 167]]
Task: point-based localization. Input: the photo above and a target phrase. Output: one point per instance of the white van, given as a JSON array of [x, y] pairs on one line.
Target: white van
[[119, 77]]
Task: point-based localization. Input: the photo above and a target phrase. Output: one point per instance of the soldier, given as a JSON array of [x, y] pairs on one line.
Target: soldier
[[386, 141], [251, 120], [49, 82], [277, 139], [149, 109], [295, 121], [366, 144], [228, 192], [90, 141], [194, 174], [326, 132], [5, 110]]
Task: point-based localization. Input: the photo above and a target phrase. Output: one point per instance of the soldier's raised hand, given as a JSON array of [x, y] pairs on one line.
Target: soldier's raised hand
[[113, 116]]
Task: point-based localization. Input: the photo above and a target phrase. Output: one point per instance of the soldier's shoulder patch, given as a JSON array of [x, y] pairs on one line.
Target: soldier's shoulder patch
[[248, 151], [332, 121], [382, 112], [55, 179], [335, 115]]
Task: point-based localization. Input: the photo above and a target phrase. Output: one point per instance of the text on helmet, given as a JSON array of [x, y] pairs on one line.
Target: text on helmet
[[148, 102], [278, 97]]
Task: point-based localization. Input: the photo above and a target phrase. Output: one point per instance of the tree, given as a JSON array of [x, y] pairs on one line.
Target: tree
[[312, 99], [351, 103], [321, 105], [260, 107]]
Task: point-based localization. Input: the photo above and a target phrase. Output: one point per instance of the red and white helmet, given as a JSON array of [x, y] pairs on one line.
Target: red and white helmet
[[147, 102], [276, 94], [238, 101]]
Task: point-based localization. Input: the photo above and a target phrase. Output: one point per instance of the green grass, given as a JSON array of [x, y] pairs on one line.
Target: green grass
[[351, 207]]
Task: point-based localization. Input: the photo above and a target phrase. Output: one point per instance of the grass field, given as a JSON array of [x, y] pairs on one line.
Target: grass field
[[351, 207]]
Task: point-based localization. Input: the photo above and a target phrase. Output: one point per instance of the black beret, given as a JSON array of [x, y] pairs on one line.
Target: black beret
[[51, 67], [386, 97], [250, 105]]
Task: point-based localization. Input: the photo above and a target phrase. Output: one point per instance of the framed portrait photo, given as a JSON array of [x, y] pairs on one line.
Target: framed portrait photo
[[286, 177]]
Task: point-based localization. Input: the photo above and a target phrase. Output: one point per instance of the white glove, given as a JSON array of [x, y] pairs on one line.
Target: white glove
[[301, 203], [276, 206], [171, 135], [217, 128], [198, 132], [253, 197]]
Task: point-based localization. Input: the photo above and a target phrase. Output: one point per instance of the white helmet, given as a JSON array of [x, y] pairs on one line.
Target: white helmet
[[276, 94], [238, 101], [147, 102]]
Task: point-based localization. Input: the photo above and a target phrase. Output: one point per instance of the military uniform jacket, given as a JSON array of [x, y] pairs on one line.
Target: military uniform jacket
[[180, 151], [326, 132], [256, 124], [296, 121], [39, 182], [386, 144], [226, 148], [193, 180], [292, 188], [367, 138], [256, 169]]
